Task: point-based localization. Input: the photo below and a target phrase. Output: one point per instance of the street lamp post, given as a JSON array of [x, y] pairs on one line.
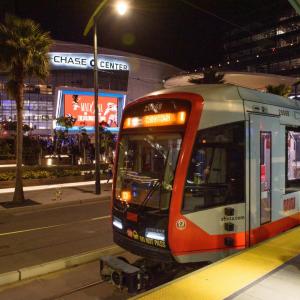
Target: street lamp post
[[97, 142], [121, 7]]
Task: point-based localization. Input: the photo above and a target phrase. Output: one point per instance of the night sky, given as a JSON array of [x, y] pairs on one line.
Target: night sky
[[185, 33]]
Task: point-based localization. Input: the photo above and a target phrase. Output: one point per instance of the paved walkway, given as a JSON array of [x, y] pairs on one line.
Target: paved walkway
[[59, 193]]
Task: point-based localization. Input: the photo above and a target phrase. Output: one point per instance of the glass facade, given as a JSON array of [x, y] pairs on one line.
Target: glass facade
[[39, 99], [269, 46], [38, 106]]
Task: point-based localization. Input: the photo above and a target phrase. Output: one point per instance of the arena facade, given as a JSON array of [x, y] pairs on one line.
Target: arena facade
[[123, 77]]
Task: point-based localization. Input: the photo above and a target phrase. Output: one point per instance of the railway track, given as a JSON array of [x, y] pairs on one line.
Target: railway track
[[75, 290]]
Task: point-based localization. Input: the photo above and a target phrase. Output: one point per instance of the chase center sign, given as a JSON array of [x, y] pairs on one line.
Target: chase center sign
[[61, 60]]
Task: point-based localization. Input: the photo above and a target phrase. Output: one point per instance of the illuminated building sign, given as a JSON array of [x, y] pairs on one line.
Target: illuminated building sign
[[61, 60], [80, 105]]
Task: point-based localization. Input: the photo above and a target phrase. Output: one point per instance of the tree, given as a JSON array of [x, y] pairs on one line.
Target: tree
[[66, 121], [281, 89], [24, 51], [12, 126], [295, 86], [61, 135], [106, 138], [84, 142], [210, 76]]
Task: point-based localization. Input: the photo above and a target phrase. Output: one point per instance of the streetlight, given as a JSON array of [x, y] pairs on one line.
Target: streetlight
[[121, 7]]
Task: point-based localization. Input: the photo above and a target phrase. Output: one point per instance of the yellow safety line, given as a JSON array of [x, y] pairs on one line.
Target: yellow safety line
[[52, 226], [222, 279]]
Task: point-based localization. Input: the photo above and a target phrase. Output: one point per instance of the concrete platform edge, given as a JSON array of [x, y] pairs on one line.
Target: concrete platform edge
[[57, 265], [9, 277]]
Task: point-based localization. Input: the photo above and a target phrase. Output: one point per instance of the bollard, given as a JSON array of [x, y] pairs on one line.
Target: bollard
[[58, 194]]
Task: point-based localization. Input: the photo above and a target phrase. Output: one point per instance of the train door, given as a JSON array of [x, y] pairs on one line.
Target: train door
[[266, 172]]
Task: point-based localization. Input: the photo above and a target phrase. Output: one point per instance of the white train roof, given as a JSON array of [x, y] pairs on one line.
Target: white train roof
[[232, 92], [252, 80]]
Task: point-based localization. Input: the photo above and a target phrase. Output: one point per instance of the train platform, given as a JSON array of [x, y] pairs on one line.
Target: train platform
[[269, 270]]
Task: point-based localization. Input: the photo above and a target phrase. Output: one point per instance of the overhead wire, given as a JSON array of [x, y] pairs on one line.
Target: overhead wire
[[214, 15]]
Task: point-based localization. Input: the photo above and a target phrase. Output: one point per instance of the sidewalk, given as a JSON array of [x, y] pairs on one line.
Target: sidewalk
[[59, 193]]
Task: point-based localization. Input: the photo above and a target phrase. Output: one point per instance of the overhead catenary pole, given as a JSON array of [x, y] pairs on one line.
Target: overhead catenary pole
[[92, 23], [296, 5], [97, 144]]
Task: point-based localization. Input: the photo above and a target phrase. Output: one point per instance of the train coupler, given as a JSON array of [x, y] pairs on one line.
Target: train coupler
[[121, 273]]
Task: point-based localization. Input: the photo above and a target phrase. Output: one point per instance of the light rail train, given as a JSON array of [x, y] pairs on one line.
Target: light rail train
[[201, 172]]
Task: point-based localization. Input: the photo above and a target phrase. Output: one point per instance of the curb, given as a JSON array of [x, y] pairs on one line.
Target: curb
[[9, 277], [57, 265]]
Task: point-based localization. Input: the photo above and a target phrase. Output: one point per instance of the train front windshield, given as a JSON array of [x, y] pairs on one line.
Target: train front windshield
[[146, 168]]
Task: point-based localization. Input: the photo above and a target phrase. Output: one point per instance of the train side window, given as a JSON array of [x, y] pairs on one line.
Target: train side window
[[292, 160], [265, 176], [216, 174]]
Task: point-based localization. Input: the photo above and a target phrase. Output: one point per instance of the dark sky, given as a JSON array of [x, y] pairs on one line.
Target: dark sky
[[185, 33]]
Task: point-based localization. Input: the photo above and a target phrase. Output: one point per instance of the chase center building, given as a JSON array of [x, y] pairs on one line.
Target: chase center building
[[69, 88]]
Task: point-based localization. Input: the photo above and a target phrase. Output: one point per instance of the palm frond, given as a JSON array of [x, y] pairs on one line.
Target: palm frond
[[210, 76], [281, 89], [24, 48]]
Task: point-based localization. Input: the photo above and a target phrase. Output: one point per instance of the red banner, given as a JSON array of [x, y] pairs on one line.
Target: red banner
[[82, 108]]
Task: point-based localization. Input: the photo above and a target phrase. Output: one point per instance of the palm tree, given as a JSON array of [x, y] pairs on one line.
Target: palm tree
[[62, 135], [295, 86], [281, 89], [210, 76], [24, 51]]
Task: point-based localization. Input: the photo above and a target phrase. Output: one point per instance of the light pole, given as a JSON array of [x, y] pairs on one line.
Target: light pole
[[97, 144], [121, 8]]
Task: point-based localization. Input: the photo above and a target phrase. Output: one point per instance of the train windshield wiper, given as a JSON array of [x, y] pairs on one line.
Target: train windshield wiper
[[157, 183]]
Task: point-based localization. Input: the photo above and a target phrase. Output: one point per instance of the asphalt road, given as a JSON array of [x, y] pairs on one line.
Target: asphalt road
[[32, 237]]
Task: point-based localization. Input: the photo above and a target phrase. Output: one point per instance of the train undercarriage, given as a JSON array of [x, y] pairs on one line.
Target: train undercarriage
[[143, 274]]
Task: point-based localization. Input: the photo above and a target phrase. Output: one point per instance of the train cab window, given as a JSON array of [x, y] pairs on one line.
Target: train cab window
[[293, 160], [216, 172]]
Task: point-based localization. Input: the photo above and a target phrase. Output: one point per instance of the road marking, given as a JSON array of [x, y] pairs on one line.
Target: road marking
[[53, 226], [50, 186], [43, 209]]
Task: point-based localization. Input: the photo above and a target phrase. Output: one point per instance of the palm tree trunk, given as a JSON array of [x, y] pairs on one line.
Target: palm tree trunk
[[19, 194]]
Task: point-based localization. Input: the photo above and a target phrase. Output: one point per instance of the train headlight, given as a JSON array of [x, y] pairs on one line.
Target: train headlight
[[155, 234], [117, 223]]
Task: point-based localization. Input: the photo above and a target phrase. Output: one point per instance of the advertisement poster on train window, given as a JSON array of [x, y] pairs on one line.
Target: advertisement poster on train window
[[81, 107]]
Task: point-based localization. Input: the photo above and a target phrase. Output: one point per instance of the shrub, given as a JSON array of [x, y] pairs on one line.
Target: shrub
[[5, 149], [36, 174], [31, 150], [5, 176]]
